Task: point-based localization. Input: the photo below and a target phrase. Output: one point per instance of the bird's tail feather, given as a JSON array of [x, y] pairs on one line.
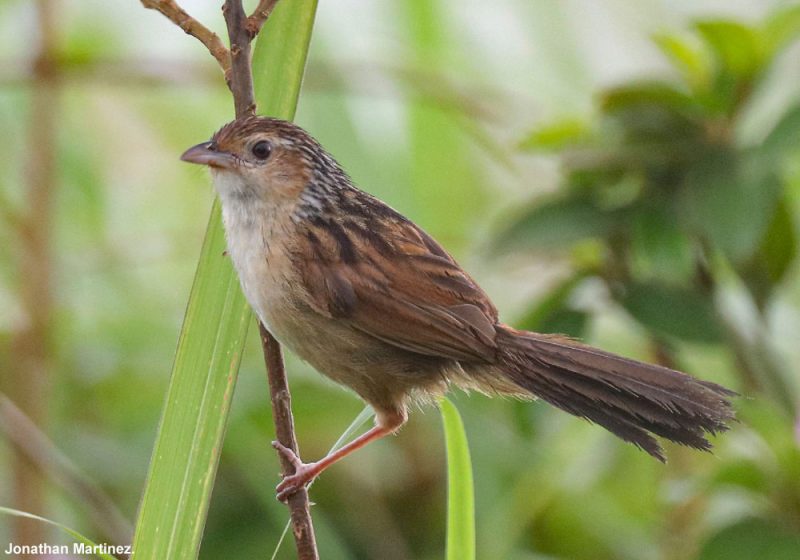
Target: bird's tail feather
[[631, 399]]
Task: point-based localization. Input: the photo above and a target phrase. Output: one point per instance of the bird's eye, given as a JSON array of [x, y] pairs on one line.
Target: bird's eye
[[262, 149]]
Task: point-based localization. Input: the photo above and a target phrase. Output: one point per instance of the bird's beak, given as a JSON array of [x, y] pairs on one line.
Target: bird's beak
[[207, 154]]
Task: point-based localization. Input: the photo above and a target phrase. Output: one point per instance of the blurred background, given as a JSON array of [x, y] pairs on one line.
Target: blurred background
[[627, 172]]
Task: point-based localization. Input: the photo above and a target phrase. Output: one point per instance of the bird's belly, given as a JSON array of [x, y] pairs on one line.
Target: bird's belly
[[274, 291], [380, 373]]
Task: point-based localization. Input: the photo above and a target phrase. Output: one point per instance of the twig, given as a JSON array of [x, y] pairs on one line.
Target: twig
[[302, 526], [241, 85], [259, 16], [31, 368], [191, 26], [241, 77]]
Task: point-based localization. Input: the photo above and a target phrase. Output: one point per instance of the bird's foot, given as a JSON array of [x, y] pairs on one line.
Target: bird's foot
[[303, 474]]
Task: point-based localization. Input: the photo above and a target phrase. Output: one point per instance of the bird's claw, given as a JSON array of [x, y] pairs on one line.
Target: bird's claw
[[287, 453], [303, 473], [294, 482]]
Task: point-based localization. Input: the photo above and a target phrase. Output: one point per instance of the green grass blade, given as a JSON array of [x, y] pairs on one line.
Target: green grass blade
[[279, 57], [71, 532], [365, 414], [460, 493], [189, 441], [183, 466]]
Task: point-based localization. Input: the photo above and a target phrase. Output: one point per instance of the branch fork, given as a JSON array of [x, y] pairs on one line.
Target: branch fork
[[252, 25]]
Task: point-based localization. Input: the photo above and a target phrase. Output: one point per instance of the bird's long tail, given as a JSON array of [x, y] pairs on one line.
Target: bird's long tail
[[631, 399]]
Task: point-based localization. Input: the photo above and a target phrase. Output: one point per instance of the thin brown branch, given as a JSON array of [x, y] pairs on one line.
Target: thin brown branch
[[30, 382], [259, 16], [191, 26], [302, 526], [241, 76], [241, 85]]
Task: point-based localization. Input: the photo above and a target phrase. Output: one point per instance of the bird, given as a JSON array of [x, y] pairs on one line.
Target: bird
[[373, 302]]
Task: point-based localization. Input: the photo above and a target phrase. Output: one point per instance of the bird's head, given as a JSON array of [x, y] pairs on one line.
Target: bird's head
[[261, 158]]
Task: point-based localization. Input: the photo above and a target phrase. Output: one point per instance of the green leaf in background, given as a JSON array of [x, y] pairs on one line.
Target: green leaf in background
[[660, 250], [689, 56], [784, 137], [738, 48], [557, 223], [557, 135], [553, 314], [654, 112], [672, 311], [753, 538], [730, 198], [774, 256], [780, 28], [569, 322], [460, 491], [71, 532], [189, 440], [744, 473], [779, 246], [651, 93]]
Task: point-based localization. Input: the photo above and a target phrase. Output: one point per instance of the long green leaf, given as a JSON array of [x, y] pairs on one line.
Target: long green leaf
[[189, 441], [178, 488], [557, 222], [460, 492], [279, 58], [89, 544]]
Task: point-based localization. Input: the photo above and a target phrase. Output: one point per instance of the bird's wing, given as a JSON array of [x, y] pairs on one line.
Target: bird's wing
[[386, 277]]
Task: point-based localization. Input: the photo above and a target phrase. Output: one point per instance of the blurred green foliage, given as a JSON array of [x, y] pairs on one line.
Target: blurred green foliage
[[633, 255], [664, 195], [667, 202]]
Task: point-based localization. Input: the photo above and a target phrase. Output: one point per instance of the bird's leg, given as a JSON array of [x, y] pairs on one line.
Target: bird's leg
[[304, 473]]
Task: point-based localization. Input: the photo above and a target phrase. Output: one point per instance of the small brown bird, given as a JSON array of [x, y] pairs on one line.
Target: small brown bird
[[373, 302]]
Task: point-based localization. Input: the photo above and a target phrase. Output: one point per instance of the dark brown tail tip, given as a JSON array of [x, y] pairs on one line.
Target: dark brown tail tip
[[633, 400]]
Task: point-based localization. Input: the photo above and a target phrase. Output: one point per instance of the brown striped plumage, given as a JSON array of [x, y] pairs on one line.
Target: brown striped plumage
[[373, 302]]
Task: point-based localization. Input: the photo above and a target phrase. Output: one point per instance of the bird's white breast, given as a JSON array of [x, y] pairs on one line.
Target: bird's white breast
[[253, 230]]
